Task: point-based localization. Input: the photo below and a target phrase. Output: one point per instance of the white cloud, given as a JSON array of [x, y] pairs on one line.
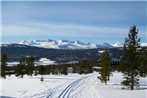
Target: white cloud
[[36, 29]]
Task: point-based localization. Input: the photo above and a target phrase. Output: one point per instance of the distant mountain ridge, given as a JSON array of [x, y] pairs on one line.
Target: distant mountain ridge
[[15, 51], [64, 44]]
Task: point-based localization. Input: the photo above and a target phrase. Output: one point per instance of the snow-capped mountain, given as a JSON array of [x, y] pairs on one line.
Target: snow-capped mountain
[[143, 44], [118, 44], [63, 44]]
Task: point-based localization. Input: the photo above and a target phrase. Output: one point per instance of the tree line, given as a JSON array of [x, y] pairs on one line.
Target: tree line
[[27, 66]]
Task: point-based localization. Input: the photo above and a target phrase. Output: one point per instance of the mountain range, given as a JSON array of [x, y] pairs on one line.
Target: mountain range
[[60, 51], [15, 51], [66, 44], [63, 44]]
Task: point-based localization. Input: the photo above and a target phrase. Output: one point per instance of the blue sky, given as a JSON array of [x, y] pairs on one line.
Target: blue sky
[[95, 21]]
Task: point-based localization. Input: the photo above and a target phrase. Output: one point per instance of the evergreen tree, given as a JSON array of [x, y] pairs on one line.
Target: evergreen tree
[[64, 70], [20, 68], [84, 67], [143, 62], [105, 70], [41, 72], [3, 65], [129, 64], [30, 65]]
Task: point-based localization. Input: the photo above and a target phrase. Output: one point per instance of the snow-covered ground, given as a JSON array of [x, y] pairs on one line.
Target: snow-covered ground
[[41, 61], [45, 61], [69, 86]]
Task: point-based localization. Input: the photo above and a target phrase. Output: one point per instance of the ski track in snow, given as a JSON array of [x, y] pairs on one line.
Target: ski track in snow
[[75, 89], [66, 92], [49, 93], [78, 88]]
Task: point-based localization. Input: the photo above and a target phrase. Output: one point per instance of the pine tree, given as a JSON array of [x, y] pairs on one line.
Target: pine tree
[[41, 71], [20, 68], [30, 65], [105, 70], [129, 64], [84, 67], [64, 70], [3, 65], [143, 62]]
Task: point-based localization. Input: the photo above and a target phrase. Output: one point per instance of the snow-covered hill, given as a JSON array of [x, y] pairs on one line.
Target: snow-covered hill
[[63, 44]]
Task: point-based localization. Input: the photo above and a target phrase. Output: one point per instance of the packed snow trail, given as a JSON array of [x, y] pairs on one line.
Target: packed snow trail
[[78, 88], [66, 92]]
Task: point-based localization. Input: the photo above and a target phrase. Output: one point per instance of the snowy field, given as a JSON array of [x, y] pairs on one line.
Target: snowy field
[[69, 86]]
